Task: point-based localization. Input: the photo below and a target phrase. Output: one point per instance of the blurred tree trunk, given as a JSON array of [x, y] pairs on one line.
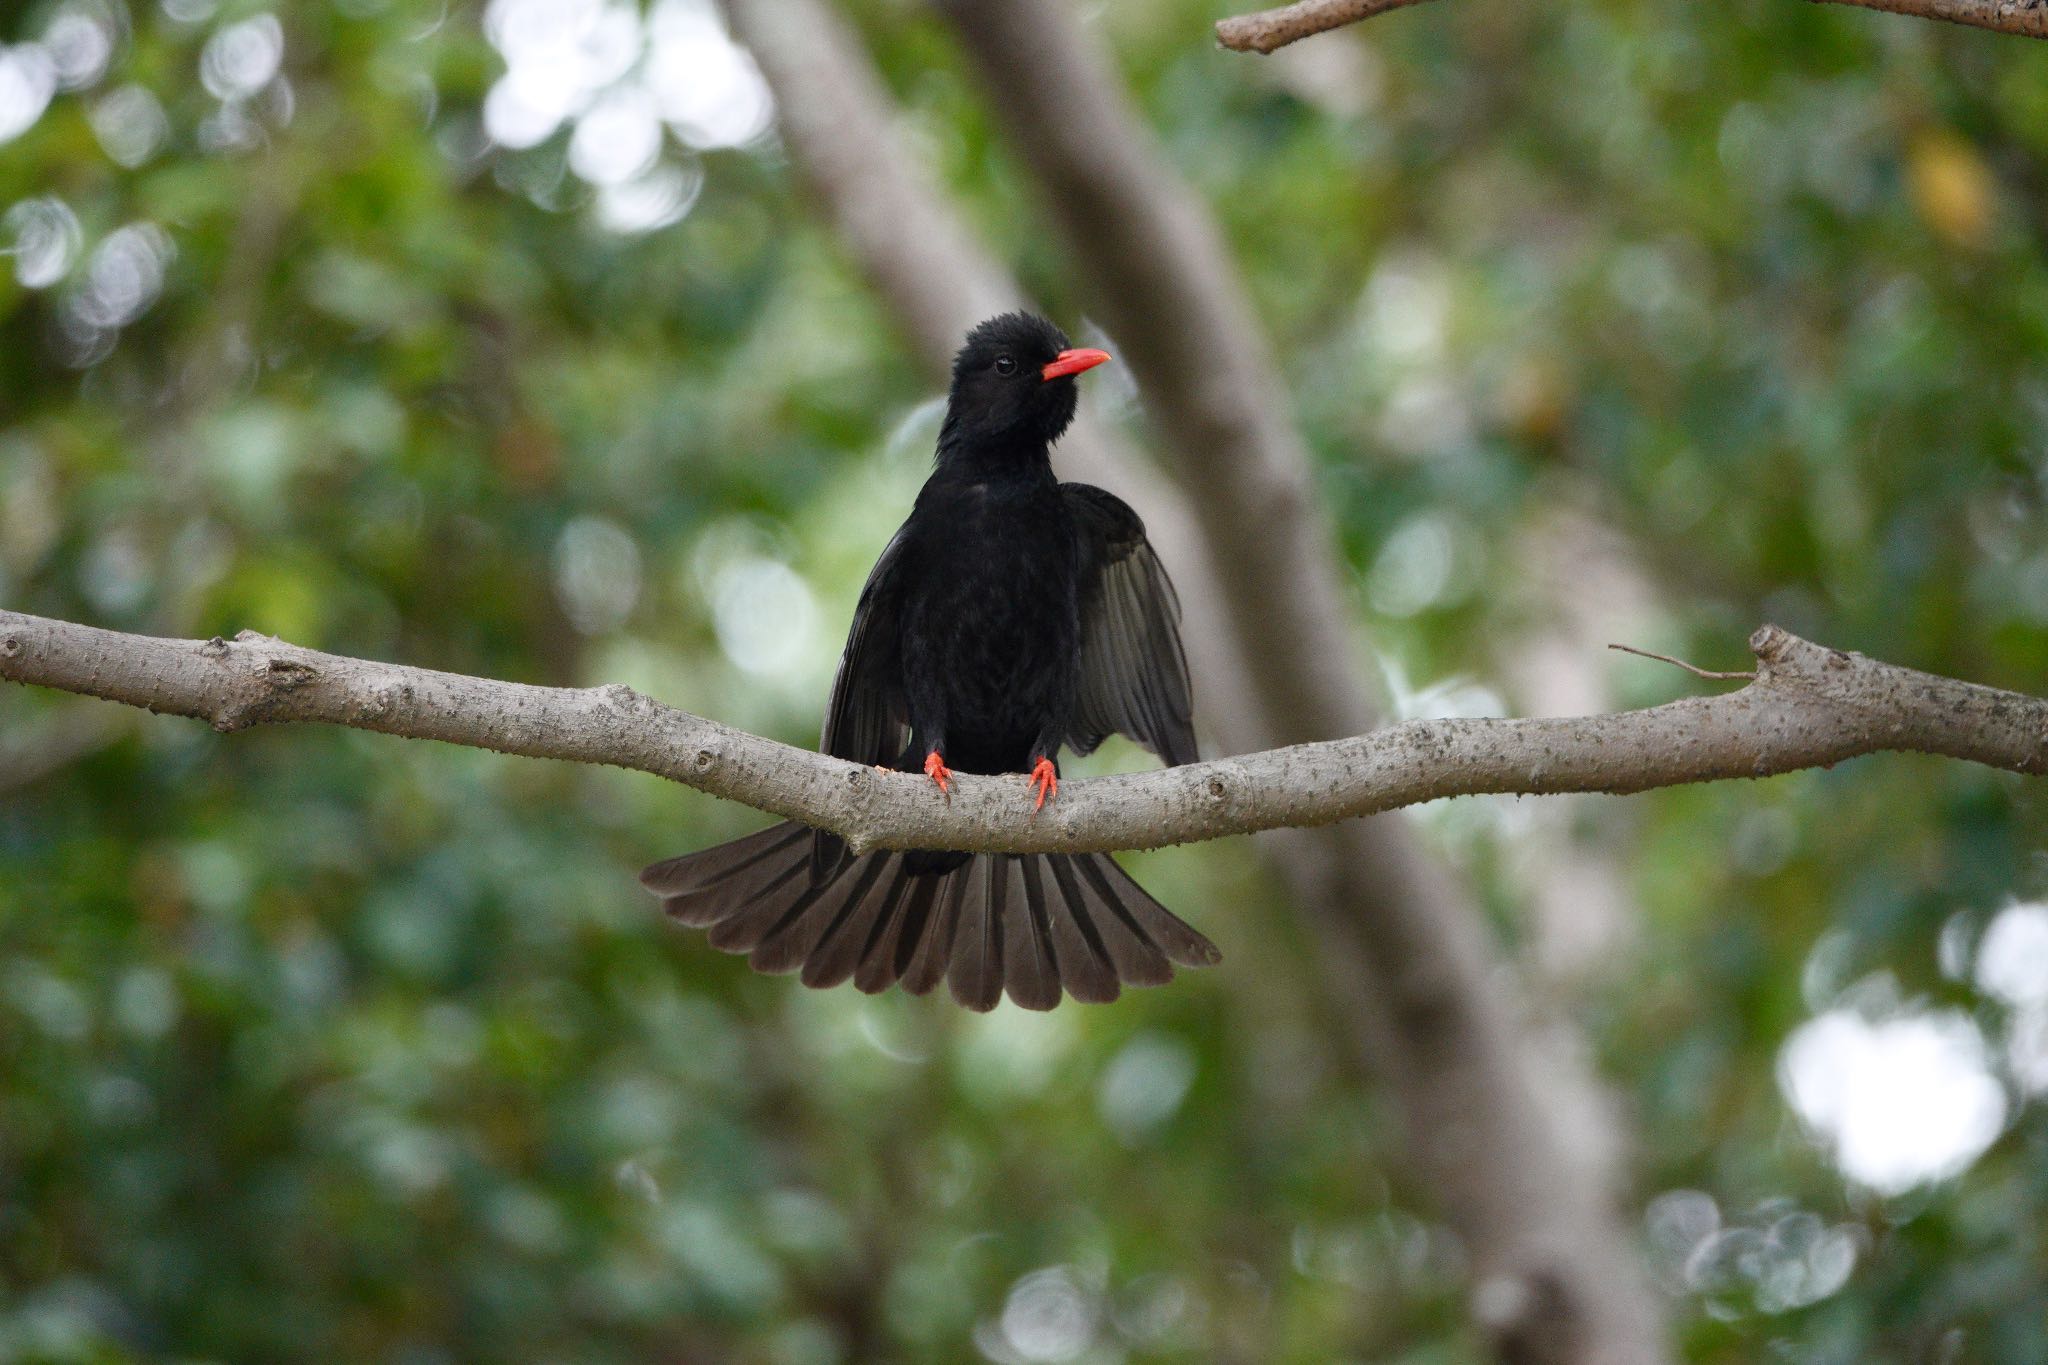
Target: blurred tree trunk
[[1580, 585], [1490, 1118], [1405, 957]]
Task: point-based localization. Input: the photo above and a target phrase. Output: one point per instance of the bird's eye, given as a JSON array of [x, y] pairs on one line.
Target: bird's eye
[[1005, 365]]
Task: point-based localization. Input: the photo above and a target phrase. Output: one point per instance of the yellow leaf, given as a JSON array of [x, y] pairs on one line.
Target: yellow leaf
[[1951, 186]]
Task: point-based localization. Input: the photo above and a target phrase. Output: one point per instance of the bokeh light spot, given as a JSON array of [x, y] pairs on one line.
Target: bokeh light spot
[[1898, 1101]]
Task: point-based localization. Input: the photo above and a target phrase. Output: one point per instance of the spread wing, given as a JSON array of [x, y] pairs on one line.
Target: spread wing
[[1134, 675], [867, 720]]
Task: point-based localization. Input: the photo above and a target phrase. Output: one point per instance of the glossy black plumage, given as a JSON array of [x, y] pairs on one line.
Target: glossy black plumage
[[1009, 616]]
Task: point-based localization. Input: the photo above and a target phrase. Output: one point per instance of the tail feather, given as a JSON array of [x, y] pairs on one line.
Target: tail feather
[[1097, 953], [935, 952], [798, 934], [851, 936], [749, 915], [975, 976], [891, 947], [1034, 925], [1031, 975], [685, 878], [1135, 953], [1147, 918]]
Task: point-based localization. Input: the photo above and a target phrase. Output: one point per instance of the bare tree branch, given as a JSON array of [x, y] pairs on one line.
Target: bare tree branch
[[1268, 30], [1271, 29], [2026, 18], [1809, 707]]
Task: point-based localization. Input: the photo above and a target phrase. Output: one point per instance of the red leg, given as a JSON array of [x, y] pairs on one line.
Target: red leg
[[1045, 780], [935, 768]]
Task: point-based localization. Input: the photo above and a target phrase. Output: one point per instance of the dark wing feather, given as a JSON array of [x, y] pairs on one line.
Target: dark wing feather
[[868, 718], [1134, 674]]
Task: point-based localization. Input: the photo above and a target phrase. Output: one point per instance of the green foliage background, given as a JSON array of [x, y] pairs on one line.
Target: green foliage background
[[323, 1046]]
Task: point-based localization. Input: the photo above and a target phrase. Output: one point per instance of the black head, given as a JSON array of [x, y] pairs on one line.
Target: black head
[[1013, 384]]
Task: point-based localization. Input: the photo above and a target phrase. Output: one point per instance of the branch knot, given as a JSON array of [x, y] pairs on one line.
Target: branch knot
[[266, 682]]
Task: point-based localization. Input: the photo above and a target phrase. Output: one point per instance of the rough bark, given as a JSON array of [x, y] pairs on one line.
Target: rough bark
[[1272, 29]]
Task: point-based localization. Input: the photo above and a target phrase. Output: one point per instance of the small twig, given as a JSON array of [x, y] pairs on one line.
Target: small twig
[[1748, 675]]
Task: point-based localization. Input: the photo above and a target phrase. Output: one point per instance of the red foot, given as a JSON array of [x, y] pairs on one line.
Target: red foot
[[1044, 781], [935, 768]]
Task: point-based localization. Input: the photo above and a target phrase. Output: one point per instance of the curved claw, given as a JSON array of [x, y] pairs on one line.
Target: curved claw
[[935, 768], [1045, 780]]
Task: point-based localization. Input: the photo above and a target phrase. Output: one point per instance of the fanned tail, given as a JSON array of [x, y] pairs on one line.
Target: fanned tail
[[1034, 924]]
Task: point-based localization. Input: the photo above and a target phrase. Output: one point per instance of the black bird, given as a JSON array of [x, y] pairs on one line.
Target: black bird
[[1011, 614]]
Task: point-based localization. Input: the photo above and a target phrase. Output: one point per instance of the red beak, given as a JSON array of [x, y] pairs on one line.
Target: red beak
[[1073, 362]]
